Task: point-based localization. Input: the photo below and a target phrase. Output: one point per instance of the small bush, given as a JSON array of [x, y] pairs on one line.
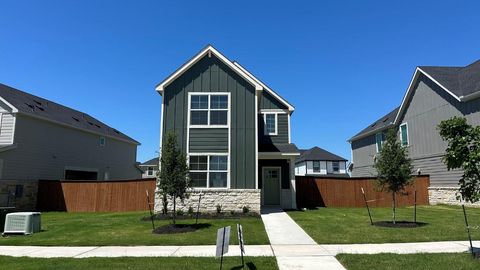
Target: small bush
[[190, 210], [246, 209], [219, 209], [232, 212], [180, 212]]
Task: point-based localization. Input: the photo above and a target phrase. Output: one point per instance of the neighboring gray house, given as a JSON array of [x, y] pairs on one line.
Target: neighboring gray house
[[149, 168], [434, 94], [319, 162], [235, 131], [43, 140]]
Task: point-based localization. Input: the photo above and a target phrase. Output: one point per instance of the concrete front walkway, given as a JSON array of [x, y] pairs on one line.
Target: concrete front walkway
[[292, 246]]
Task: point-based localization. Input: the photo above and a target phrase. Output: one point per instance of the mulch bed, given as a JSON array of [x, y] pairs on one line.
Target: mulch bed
[[202, 216], [399, 224], [180, 228]]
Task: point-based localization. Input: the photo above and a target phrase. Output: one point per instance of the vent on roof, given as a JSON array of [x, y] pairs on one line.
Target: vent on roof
[[30, 105], [38, 102], [76, 119], [116, 131], [373, 124], [40, 108], [385, 120], [91, 124], [97, 126]]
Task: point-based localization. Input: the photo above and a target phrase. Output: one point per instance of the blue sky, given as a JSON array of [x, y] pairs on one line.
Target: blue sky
[[343, 64]]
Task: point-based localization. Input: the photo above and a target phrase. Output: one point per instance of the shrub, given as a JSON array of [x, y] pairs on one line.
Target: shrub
[[219, 209], [246, 209], [232, 212], [180, 212], [190, 210]]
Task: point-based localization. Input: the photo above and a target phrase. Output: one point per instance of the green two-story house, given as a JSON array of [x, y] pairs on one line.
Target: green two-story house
[[235, 131]]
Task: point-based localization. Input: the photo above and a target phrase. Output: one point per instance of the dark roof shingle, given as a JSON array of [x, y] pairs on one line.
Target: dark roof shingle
[[39, 107], [280, 148], [380, 124], [151, 162], [317, 153]]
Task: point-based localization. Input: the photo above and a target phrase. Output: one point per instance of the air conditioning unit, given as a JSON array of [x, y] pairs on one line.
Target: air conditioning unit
[[22, 223]]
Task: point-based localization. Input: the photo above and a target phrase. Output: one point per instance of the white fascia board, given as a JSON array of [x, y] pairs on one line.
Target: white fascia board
[[269, 90], [208, 50], [410, 90], [14, 110]]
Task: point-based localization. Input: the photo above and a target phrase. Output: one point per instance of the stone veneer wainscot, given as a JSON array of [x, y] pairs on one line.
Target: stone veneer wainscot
[[446, 195]]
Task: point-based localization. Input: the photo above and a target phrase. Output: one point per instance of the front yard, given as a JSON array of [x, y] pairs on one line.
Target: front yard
[[179, 263], [386, 261], [127, 229], [352, 226]]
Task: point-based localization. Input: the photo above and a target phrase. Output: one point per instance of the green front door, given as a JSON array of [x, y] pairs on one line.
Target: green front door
[[271, 186]]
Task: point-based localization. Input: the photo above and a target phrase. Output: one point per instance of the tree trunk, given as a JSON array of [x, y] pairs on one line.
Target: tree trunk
[[165, 204], [393, 207], [174, 208]]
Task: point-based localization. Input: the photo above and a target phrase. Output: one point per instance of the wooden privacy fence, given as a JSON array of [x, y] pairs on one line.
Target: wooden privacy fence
[[346, 192], [94, 196]]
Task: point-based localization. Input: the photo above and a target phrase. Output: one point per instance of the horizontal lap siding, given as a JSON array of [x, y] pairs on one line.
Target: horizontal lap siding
[[7, 127], [208, 140], [282, 133]]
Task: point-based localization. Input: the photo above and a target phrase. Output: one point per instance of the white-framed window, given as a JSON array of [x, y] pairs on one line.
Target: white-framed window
[[150, 171], [270, 123], [209, 109], [379, 141], [336, 166], [404, 134], [209, 171], [316, 166], [102, 141]]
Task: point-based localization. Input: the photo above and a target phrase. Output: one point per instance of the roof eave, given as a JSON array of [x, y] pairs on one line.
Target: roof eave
[[366, 134]]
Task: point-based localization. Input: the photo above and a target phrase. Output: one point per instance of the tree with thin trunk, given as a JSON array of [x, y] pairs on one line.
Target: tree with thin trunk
[[173, 179], [394, 167], [463, 152]]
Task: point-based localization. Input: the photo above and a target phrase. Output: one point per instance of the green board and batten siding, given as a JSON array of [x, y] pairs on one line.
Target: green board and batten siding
[[211, 75], [270, 102], [282, 133]]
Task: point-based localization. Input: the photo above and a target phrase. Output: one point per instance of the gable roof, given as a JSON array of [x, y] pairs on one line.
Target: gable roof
[[151, 162], [462, 83], [38, 107], [379, 125], [317, 153], [235, 66]]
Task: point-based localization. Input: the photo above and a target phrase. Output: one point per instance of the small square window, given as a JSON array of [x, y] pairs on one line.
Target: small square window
[[199, 102], [219, 102], [218, 117], [270, 124], [198, 163], [336, 166], [316, 166], [102, 141], [199, 118]]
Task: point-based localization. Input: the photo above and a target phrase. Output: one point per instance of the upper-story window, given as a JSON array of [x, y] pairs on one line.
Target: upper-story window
[[102, 141], [404, 134], [270, 123], [378, 141], [150, 171], [209, 109], [316, 166], [336, 166]]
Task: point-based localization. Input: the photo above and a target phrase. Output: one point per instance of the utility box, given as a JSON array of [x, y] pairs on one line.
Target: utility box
[[22, 223]]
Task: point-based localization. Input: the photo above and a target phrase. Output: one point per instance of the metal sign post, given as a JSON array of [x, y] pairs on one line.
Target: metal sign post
[[366, 204], [198, 207], [150, 209], [415, 208], [223, 240], [240, 242]]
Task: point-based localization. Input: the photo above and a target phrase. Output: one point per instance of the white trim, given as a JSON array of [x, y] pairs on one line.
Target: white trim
[[410, 90], [269, 90], [289, 128], [161, 130], [381, 140], [208, 169], [206, 51], [269, 155], [264, 116], [14, 115], [279, 168], [401, 135], [14, 110], [209, 94], [256, 139], [278, 111]]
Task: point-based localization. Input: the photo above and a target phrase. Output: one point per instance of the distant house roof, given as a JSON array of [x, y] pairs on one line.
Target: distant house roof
[[38, 107], [287, 148], [317, 153], [151, 162], [382, 123]]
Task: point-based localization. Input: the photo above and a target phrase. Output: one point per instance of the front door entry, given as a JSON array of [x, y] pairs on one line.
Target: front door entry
[[271, 186]]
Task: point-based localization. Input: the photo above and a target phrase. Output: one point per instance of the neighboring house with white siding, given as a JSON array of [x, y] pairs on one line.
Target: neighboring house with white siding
[[319, 162], [434, 94], [149, 168], [43, 140]]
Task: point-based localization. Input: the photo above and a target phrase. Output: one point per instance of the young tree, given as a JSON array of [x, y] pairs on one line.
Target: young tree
[[463, 152], [173, 177], [394, 167]]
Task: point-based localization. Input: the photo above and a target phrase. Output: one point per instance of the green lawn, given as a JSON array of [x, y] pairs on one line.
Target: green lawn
[[351, 225], [386, 261], [114, 229], [24, 263]]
